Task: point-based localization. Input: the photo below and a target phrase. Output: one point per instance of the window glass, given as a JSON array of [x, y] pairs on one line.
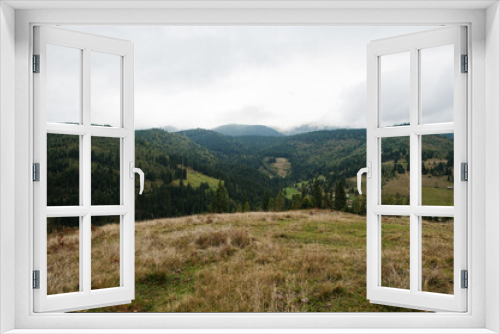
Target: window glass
[[395, 252], [63, 170], [63, 255], [63, 84], [105, 171], [395, 171], [395, 89], [437, 170], [105, 252], [436, 84], [105, 89], [437, 254]]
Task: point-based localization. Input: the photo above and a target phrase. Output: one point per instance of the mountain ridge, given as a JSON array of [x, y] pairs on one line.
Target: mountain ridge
[[240, 130]]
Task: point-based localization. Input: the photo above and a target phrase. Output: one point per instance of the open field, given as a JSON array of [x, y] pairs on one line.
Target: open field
[[300, 261], [282, 166], [195, 179], [437, 196], [290, 192]]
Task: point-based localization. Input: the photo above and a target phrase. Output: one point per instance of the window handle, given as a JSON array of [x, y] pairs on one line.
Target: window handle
[[134, 171], [368, 171]]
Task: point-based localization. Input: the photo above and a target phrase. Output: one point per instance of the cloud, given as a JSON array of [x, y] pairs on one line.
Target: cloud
[[281, 76], [351, 111]]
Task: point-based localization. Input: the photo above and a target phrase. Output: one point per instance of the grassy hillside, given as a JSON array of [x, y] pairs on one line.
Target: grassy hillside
[[300, 261], [195, 180]]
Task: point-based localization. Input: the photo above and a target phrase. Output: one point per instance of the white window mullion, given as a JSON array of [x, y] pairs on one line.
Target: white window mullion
[[414, 175], [128, 185], [87, 236], [372, 184], [414, 253], [85, 263], [86, 168]]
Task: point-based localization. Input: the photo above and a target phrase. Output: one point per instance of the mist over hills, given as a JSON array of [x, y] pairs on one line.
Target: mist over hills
[[242, 130], [306, 128]]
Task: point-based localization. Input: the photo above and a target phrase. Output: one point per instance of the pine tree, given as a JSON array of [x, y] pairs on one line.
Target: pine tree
[[220, 201], [340, 201], [265, 201], [280, 201], [272, 204], [306, 203], [424, 170], [327, 200], [296, 202], [317, 194]]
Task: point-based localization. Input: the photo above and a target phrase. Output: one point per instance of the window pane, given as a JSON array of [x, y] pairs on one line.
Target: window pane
[[63, 85], [437, 170], [105, 89], [436, 84], [105, 252], [395, 252], [63, 170], [63, 255], [437, 254], [105, 171], [395, 171], [395, 89]]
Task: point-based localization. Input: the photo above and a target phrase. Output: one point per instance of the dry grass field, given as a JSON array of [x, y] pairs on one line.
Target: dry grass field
[[301, 261]]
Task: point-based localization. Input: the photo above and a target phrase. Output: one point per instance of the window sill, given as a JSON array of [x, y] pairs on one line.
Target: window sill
[[251, 331]]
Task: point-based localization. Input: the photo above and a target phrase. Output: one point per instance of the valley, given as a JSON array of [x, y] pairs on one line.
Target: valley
[[184, 169], [250, 223]]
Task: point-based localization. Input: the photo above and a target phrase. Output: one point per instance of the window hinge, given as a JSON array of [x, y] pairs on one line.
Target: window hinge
[[465, 279], [36, 279], [36, 172], [36, 63], [464, 172], [465, 64]]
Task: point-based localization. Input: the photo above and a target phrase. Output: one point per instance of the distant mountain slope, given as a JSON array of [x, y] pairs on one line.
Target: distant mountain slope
[[239, 130], [340, 152], [169, 128], [229, 149], [337, 153], [214, 141], [171, 144], [306, 128], [251, 167]]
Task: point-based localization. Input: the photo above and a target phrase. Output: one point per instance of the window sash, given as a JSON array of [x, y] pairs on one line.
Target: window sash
[[86, 297], [414, 298]]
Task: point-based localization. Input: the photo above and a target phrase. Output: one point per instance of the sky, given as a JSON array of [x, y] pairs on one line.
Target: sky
[[279, 76]]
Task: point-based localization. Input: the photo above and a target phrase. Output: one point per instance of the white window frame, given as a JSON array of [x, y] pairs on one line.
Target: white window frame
[[375, 134], [483, 102], [85, 298]]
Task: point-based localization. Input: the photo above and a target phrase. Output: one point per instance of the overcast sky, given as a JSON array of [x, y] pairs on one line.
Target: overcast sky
[[189, 77]]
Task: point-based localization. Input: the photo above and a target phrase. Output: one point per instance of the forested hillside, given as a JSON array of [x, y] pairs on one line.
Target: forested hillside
[[201, 171]]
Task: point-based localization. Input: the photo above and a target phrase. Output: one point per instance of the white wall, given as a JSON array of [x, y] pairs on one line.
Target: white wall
[[477, 128], [7, 164], [492, 165]]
